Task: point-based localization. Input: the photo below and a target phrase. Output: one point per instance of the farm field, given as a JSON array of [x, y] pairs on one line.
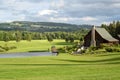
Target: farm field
[[105, 66], [34, 45]]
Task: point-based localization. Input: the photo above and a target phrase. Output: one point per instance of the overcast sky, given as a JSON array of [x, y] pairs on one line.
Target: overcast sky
[[67, 11]]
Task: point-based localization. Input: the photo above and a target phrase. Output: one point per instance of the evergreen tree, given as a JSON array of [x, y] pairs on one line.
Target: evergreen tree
[[49, 38], [67, 39], [6, 37], [28, 37], [113, 28], [71, 39], [118, 27], [1, 36], [18, 36], [81, 39]]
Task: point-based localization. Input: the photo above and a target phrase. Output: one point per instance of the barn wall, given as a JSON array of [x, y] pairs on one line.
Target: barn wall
[[98, 38], [87, 39]]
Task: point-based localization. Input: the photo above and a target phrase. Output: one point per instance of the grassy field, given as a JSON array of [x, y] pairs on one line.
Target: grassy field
[[34, 45], [101, 66], [104, 66]]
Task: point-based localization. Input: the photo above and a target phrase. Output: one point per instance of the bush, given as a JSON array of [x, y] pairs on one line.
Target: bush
[[112, 49], [6, 48], [12, 47], [104, 46], [93, 48], [83, 51], [2, 50], [61, 50]]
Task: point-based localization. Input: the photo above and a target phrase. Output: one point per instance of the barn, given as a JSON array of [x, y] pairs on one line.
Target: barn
[[119, 38], [97, 36]]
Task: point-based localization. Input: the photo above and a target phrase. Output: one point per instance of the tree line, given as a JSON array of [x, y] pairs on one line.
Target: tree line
[[40, 26], [25, 35], [113, 28]]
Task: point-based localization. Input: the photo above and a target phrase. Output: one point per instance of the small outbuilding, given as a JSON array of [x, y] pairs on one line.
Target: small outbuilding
[[97, 36]]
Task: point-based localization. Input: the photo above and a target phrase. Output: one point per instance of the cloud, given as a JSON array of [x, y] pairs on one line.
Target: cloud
[[58, 4], [59, 19], [116, 5], [87, 18], [47, 12], [35, 1], [70, 11]]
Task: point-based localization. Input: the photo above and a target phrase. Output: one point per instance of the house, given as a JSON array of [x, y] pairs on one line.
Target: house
[[97, 36]]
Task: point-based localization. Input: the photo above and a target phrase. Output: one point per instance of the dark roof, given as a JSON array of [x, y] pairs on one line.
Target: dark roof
[[105, 35]]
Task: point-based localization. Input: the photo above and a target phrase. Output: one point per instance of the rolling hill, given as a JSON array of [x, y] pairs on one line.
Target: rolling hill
[[41, 26]]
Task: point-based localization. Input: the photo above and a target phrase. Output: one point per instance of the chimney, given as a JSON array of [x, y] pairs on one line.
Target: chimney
[[93, 42]]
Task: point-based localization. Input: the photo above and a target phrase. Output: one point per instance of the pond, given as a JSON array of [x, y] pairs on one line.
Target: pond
[[25, 54]]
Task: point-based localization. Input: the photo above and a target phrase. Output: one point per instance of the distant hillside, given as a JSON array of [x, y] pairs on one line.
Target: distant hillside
[[41, 26]]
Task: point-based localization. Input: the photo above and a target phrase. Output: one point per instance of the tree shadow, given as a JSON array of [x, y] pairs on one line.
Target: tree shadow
[[104, 61], [39, 51], [63, 43], [109, 54], [115, 60], [113, 63], [47, 64]]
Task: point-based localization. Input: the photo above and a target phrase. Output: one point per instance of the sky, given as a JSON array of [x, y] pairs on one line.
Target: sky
[[95, 12]]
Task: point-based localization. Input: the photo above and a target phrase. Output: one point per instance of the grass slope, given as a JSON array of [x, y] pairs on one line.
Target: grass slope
[[34, 45], [104, 66]]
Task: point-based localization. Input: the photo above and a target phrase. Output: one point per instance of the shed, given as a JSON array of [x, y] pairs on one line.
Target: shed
[[97, 36]]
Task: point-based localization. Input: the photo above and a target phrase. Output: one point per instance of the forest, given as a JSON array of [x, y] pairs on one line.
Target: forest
[[25, 35], [113, 28]]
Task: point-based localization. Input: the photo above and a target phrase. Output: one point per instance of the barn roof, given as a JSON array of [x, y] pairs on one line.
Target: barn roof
[[104, 34], [119, 36]]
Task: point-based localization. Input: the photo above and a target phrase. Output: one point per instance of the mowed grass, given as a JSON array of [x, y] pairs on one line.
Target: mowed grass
[[34, 45], [101, 66], [105, 66]]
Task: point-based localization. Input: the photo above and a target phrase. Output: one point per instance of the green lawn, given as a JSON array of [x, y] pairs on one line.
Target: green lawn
[[101, 66], [104, 66], [34, 45]]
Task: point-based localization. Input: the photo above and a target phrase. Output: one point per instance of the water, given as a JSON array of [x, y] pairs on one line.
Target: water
[[25, 54]]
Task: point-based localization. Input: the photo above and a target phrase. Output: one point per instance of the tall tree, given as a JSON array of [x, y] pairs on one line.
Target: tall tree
[[113, 28], [49, 38], [18, 36], [6, 37], [66, 39], [118, 27], [71, 39], [28, 37]]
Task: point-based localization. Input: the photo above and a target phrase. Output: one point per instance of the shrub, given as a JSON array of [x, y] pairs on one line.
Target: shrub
[[12, 47], [61, 50], [93, 48], [6, 48], [104, 46], [2, 50], [83, 51], [109, 49], [112, 49]]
